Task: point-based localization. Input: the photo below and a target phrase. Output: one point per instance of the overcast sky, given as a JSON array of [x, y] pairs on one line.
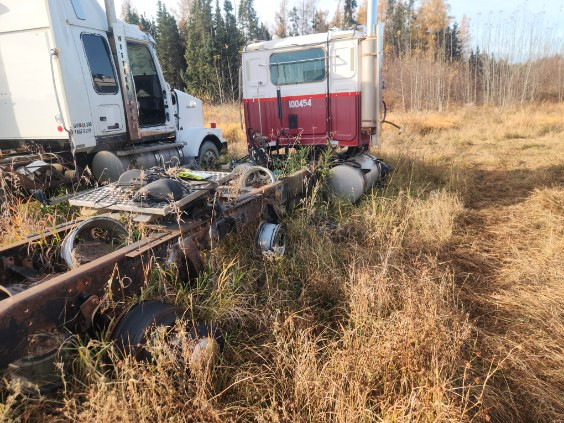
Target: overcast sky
[[479, 11]]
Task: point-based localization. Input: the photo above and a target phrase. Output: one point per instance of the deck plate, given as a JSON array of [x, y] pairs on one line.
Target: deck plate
[[113, 197]]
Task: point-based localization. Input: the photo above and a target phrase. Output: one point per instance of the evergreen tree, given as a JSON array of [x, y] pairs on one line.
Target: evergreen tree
[[400, 36], [129, 14], [263, 32], [452, 43], [320, 23], [294, 19], [349, 12], [199, 51], [169, 48], [231, 54], [148, 26], [220, 40], [184, 8], [248, 20]]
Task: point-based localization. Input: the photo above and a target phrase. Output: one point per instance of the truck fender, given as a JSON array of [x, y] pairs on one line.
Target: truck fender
[[193, 138]]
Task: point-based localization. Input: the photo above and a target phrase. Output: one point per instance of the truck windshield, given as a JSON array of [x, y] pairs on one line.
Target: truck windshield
[[98, 55], [297, 66]]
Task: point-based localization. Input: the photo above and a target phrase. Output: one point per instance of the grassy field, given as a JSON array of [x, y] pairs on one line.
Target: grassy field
[[439, 297]]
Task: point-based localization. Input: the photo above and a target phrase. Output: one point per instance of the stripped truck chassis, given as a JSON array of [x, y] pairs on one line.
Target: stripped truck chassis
[[57, 303]]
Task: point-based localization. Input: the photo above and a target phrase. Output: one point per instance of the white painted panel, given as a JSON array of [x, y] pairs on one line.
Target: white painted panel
[[105, 109], [257, 72], [27, 98], [345, 59], [343, 62], [17, 15], [110, 118], [189, 110]]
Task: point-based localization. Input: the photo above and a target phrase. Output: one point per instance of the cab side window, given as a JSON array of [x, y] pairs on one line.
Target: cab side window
[[100, 64]]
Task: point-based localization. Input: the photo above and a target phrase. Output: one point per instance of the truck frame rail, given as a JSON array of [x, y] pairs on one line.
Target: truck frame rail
[[58, 300]]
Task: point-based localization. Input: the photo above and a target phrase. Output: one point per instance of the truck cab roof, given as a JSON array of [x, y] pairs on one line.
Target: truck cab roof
[[304, 40], [17, 15]]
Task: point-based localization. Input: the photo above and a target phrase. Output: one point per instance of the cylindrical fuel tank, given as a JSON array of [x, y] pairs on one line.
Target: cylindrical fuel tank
[[371, 168], [107, 166], [350, 179]]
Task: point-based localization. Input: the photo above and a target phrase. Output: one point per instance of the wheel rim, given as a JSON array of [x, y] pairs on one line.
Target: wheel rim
[[209, 158], [256, 177], [271, 239]]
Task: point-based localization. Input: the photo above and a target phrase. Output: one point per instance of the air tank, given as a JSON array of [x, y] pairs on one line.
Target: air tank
[[352, 178]]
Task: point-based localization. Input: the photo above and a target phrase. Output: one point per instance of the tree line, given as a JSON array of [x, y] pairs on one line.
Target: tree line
[[433, 62], [200, 48], [429, 57]]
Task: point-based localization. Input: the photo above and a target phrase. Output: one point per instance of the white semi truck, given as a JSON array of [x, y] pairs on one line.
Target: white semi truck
[[79, 88]]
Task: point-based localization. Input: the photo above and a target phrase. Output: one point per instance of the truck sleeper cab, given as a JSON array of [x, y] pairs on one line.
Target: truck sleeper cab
[[312, 90]]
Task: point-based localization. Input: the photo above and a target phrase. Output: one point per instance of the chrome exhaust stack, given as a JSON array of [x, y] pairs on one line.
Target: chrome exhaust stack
[[371, 81], [372, 18], [111, 15]]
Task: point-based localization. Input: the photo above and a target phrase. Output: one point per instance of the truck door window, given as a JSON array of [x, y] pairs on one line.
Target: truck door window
[[147, 85], [298, 66], [101, 67]]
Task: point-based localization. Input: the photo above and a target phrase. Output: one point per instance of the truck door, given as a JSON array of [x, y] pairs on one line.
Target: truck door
[[153, 95], [256, 108], [345, 95], [106, 103]]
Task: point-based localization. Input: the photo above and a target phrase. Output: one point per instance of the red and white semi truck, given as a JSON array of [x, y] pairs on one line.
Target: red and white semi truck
[[319, 90]]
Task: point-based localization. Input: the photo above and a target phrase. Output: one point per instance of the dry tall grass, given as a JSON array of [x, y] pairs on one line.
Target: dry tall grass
[[516, 59], [437, 298]]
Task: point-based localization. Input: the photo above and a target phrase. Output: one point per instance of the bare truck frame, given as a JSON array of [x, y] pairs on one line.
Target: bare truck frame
[[52, 302]]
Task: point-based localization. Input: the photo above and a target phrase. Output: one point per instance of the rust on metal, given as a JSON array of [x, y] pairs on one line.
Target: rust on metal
[[54, 303], [87, 311]]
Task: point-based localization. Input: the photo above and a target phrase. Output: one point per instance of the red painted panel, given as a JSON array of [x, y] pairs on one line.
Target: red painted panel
[[310, 112], [345, 118]]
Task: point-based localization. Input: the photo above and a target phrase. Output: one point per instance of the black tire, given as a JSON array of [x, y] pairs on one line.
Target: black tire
[[208, 155], [131, 332]]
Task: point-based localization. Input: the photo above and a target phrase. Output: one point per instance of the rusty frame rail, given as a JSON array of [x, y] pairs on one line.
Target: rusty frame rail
[[55, 304]]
